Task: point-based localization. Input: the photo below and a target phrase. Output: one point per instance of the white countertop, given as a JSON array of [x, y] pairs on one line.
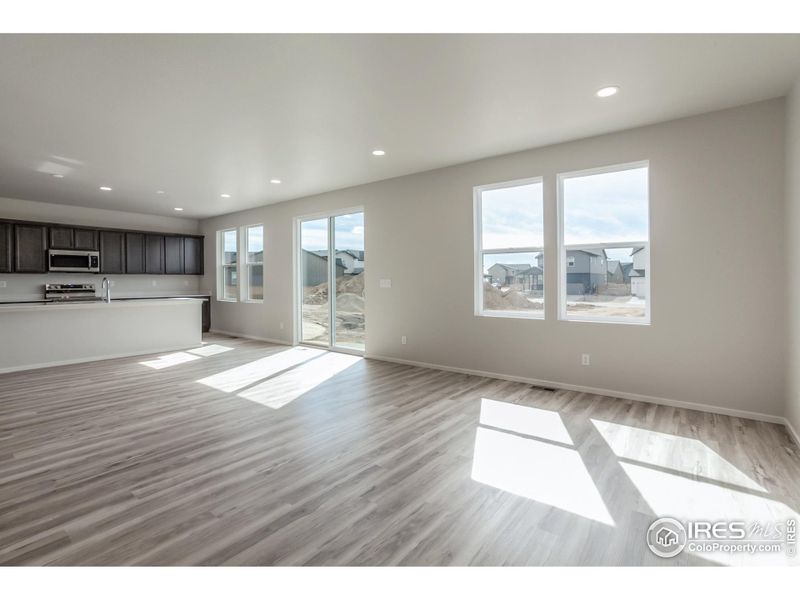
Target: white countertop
[[94, 305]]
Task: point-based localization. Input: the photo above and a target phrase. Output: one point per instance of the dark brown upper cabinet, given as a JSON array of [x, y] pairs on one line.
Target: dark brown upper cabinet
[[6, 247], [30, 248], [85, 239], [154, 254], [71, 238], [193, 256], [134, 253], [112, 252], [173, 255], [61, 238]]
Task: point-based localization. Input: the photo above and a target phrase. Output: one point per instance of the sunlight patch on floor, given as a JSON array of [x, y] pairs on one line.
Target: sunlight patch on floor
[[282, 389], [210, 350], [687, 499], [540, 471], [236, 378], [686, 455], [170, 360], [527, 420]]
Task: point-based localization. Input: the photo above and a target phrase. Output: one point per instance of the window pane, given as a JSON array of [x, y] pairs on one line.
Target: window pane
[[606, 208], [314, 244], [514, 282], [349, 244], [255, 244], [607, 282], [255, 282], [512, 217], [229, 247], [230, 282]]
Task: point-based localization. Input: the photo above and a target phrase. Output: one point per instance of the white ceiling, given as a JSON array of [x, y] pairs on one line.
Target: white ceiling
[[202, 115]]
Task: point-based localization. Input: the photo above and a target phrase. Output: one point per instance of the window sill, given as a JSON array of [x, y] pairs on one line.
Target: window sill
[[495, 314], [232, 300], [252, 302], [604, 320]]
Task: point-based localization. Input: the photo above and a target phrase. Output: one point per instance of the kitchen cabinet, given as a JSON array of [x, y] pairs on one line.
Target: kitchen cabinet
[[173, 255], [30, 248], [134, 253], [6, 247], [61, 238], [193, 256], [85, 239], [206, 315], [71, 238], [112, 252], [154, 254]]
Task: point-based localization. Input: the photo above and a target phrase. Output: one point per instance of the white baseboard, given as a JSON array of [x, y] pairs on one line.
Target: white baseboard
[[792, 431], [251, 337], [731, 412], [76, 361]]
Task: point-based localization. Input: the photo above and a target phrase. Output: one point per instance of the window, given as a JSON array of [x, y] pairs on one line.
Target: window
[[509, 249], [254, 260], [604, 244], [228, 277]]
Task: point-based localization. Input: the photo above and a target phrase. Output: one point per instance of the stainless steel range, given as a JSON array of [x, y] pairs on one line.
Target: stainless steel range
[[70, 292]]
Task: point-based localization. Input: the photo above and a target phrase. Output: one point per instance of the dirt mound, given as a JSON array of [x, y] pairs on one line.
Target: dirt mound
[[347, 284], [349, 303], [494, 299]]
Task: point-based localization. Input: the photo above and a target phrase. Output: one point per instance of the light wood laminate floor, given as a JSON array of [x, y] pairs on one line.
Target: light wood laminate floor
[[245, 453]]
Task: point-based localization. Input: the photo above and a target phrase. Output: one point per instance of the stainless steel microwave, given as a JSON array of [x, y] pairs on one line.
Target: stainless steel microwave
[[73, 261]]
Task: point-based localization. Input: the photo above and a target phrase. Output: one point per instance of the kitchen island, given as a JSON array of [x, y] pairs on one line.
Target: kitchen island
[[35, 335]]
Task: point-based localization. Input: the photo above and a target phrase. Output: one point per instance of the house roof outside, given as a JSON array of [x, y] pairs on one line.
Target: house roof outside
[[532, 271]]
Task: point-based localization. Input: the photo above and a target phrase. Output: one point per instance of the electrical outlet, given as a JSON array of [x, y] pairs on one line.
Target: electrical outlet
[[385, 283], [281, 325], [403, 340], [153, 283], [586, 360], [2, 284], [111, 283]]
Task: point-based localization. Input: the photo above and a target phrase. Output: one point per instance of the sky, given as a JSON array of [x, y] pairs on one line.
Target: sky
[[608, 207], [348, 233]]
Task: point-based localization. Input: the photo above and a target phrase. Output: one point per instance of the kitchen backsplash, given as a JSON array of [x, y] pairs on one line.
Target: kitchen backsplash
[[19, 286]]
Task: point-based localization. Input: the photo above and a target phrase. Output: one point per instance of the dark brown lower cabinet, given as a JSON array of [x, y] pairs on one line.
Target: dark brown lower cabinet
[[206, 315], [30, 248]]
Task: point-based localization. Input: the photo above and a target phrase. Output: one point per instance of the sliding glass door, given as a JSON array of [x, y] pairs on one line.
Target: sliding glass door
[[332, 254]]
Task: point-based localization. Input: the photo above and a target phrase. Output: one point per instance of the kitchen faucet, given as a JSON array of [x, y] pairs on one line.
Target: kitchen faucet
[[106, 285]]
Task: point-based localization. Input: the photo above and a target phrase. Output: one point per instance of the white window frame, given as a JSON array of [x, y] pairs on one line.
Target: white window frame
[[563, 248], [221, 264], [480, 252], [244, 282]]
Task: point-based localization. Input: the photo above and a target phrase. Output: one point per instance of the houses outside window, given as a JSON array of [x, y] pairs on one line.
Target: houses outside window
[[227, 265], [509, 249], [604, 245]]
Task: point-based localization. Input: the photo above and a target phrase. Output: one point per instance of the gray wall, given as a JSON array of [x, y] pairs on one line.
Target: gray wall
[[21, 286], [793, 244], [717, 191]]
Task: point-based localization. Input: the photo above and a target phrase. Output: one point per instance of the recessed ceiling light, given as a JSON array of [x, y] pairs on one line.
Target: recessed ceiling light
[[378, 152], [105, 188], [274, 180], [607, 91], [58, 176], [159, 191], [178, 209], [224, 195]]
